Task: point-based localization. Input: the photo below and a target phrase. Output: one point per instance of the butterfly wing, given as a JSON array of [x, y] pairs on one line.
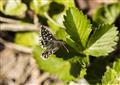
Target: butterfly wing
[[48, 52], [47, 40], [45, 36]]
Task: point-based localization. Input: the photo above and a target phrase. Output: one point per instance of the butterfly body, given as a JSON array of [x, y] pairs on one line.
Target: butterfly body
[[49, 42]]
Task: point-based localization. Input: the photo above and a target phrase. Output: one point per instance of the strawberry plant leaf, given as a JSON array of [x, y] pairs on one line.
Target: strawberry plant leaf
[[109, 76], [102, 41], [66, 70], [112, 75], [107, 14], [77, 26]]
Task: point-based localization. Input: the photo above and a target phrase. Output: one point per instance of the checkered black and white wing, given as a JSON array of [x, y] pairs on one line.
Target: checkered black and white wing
[[45, 36], [48, 41]]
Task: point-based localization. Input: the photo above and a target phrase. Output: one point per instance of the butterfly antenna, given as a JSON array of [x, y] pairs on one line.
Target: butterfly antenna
[[65, 47]]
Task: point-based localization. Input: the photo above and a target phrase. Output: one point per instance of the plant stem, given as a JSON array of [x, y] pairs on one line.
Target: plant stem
[[51, 20]]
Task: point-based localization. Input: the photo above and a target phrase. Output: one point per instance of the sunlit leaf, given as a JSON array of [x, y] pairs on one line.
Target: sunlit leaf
[[77, 26], [109, 77], [102, 41], [57, 11], [64, 69], [15, 8], [112, 75], [40, 6], [27, 38]]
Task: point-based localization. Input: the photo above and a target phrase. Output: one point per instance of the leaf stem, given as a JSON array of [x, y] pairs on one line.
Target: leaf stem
[[53, 21]]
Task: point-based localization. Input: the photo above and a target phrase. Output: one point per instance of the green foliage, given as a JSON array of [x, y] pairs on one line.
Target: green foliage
[[77, 26], [76, 36], [86, 46], [58, 16], [27, 38], [15, 8], [116, 66], [65, 69], [102, 41], [112, 75], [109, 76], [39, 6], [61, 34], [67, 4], [64, 64], [107, 14]]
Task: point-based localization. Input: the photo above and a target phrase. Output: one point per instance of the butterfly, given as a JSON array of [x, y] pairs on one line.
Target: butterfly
[[49, 42]]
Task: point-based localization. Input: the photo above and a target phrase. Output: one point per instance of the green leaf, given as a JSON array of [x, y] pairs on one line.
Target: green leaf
[[40, 6], [102, 41], [61, 34], [77, 26], [112, 75], [59, 18], [109, 77], [15, 8], [116, 66], [35, 5], [53, 65], [58, 6], [27, 38], [107, 14], [65, 70], [74, 45], [57, 11], [67, 3]]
